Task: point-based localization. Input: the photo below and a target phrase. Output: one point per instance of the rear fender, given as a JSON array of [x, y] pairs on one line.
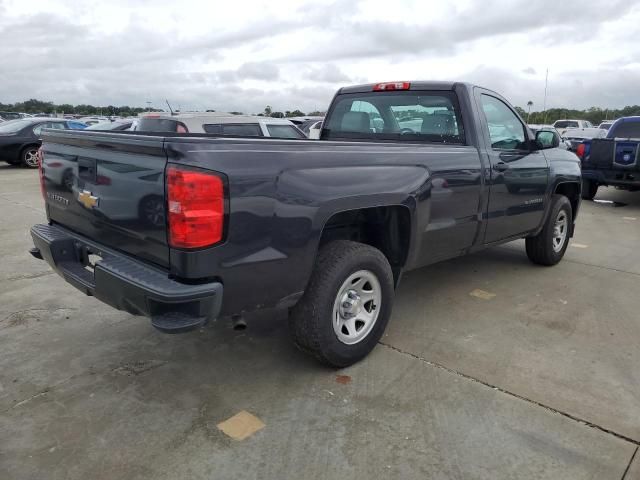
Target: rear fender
[[318, 194]]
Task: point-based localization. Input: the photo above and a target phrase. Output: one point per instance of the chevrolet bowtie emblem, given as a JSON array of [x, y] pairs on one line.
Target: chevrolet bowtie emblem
[[88, 200]]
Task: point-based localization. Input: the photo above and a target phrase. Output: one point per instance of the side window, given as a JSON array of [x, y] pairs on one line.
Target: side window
[[213, 128], [505, 129], [38, 130], [242, 129]]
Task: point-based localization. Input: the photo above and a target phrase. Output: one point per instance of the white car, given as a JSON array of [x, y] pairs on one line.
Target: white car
[[220, 124], [93, 120], [577, 135], [563, 125]]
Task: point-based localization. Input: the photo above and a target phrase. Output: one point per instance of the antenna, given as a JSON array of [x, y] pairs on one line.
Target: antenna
[[170, 109], [544, 105]]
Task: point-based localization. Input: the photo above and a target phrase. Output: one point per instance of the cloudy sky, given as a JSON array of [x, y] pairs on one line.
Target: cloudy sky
[[243, 55]]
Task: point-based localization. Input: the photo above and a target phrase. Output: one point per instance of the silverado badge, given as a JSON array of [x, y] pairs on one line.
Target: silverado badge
[[87, 200]]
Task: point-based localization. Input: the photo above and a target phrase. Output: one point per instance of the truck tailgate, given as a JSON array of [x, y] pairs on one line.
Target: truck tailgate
[[108, 187]]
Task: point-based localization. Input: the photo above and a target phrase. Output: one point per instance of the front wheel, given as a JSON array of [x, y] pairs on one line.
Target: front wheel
[[346, 306], [548, 247]]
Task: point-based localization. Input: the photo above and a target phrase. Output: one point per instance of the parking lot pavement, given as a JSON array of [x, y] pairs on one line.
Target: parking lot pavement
[[538, 381]]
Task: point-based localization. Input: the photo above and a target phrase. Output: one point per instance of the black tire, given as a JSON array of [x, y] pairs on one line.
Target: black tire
[[589, 189], [540, 249], [27, 156], [311, 320]]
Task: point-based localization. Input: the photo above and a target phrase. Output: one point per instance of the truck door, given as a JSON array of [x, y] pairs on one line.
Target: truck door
[[518, 172]]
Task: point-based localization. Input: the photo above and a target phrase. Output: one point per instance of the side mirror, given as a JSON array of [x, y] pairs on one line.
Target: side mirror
[[547, 139]]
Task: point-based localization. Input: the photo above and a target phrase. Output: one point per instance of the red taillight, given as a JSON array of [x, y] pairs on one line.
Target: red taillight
[[54, 164], [41, 173], [580, 151], [195, 208], [384, 87]]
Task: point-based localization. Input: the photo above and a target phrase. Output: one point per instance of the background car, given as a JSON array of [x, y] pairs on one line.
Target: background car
[[577, 135], [562, 143], [220, 124], [606, 125], [10, 115], [93, 120], [116, 125], [563, 125], [309, 125], [20, 139]]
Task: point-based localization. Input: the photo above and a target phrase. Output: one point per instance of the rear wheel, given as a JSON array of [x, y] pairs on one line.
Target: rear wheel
[[548, 247], [29, 156], [346, 306], [589, 189]]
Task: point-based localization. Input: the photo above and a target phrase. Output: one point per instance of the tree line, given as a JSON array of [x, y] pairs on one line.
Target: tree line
[[39, 106], [595, 115]]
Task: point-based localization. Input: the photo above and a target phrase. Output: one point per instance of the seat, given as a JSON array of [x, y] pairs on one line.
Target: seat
[[356, 122], [437, 124]]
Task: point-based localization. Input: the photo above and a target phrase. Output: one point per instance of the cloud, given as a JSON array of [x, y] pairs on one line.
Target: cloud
[[296, 53], [259, 71], [326, 73]]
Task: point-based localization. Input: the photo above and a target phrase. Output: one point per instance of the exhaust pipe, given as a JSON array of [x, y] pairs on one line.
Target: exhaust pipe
[[239, 324]]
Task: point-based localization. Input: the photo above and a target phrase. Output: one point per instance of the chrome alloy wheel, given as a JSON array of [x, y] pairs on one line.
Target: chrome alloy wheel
[[31, 158], [356, 307], [560, 231]]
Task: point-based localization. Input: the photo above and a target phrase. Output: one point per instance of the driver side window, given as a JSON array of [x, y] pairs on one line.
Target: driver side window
[[505, 129]]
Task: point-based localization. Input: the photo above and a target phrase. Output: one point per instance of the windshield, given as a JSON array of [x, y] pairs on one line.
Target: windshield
[[400, 116], [13, 126], [284, 131]]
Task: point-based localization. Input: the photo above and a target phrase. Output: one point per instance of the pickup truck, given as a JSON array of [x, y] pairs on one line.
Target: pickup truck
[[183, 228], [613, 160]]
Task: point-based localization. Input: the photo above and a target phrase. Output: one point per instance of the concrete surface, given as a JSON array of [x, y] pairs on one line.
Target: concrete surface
[[540, 381]]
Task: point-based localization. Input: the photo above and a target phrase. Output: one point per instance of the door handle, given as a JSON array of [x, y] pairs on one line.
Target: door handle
[[501, 166]]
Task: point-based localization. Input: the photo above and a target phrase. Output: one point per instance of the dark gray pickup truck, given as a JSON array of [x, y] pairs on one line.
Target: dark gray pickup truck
[[183, 228]]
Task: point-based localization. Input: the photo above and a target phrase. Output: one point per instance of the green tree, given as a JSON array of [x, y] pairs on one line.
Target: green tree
[[277, 115], [267, 111]]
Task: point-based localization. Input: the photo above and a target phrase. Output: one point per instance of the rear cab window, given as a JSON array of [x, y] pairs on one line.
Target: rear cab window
[[405, 116]]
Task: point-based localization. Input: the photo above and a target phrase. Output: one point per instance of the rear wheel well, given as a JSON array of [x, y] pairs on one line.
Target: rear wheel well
[[572, 192], [385, 228]]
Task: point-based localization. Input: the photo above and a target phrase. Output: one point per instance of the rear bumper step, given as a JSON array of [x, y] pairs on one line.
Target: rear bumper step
[[125, 283]]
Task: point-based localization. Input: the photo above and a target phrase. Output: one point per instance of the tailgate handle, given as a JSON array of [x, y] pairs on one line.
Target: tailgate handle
[[88, 169]]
